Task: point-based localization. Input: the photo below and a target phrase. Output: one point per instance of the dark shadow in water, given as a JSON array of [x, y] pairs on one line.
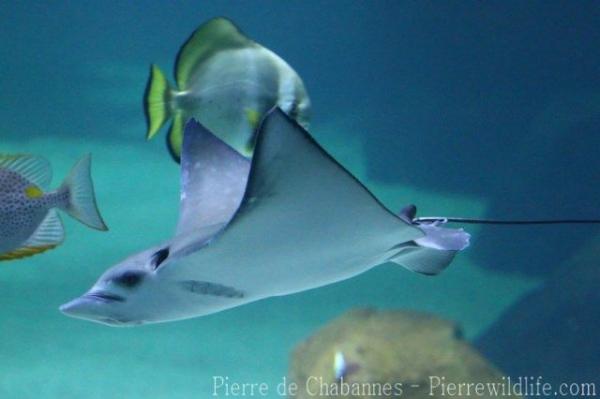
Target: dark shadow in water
[[497, 110], [553, 331]]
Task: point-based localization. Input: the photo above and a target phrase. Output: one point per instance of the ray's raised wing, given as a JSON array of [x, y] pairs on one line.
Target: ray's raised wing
[[213, 179], [298, 195]]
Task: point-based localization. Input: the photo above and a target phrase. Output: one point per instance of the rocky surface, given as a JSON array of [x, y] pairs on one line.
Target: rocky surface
[[410, 353]]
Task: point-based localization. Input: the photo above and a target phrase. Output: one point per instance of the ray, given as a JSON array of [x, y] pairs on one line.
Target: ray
[[291, 220]]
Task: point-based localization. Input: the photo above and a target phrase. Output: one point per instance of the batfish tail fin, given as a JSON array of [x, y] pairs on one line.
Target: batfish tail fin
[[81, 201], [432, 253], [157, 101]]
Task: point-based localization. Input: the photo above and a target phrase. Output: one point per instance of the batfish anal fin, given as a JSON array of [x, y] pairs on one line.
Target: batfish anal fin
[[215, 35], [36, 170], [213, 179], [175, 137], [253, 117]]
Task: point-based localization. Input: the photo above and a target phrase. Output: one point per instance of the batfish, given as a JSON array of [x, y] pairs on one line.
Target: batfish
[[228, 82], [290, 220]]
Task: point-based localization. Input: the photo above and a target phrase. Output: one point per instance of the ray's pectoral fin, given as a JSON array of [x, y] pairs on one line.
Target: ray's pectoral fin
[[423, 260], [432, 253], [213, 180], [296, 187]]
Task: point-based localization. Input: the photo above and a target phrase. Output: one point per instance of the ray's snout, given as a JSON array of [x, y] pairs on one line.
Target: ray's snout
[[79, 307], [92, 306]]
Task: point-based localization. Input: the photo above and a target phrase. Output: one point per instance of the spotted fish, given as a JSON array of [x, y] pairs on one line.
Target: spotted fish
[[226, 81], [29, 223]]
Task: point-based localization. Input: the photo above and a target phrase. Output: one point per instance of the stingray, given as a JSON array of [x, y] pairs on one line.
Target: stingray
[[289, 220]]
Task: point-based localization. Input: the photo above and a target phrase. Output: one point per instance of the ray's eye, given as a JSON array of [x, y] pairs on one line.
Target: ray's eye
[[129, 279], [159, 257]]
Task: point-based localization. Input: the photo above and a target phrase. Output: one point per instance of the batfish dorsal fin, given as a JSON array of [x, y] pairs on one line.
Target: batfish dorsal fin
[[297, 186], [218, 34], [213, 179], [35, 169]]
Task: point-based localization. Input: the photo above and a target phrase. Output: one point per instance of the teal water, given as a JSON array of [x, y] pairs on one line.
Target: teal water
[[472, 109]]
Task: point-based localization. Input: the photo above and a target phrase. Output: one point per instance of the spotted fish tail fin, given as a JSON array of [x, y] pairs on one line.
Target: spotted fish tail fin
[[157, 101], [432, 253], [81, 201]]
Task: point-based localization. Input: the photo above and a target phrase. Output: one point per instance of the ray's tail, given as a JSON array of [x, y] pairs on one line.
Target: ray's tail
[[503, 222], [433, 253]]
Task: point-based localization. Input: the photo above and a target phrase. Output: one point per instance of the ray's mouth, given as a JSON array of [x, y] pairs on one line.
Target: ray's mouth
[[104, 297], [95, 306]]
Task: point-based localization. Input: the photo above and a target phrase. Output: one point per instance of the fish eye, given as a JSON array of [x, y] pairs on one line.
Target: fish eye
[[159, 257], [129, 279]]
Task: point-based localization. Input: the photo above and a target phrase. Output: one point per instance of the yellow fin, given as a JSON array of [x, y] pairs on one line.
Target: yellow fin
[[253, 117], [175, 137], [215, 35], [157, 101], [33, 192], [25, 252]]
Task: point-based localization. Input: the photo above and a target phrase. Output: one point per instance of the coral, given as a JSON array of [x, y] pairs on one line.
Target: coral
[[410, 352]]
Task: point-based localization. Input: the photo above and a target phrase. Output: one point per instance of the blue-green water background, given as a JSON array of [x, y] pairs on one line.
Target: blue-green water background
[[464, 108]]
